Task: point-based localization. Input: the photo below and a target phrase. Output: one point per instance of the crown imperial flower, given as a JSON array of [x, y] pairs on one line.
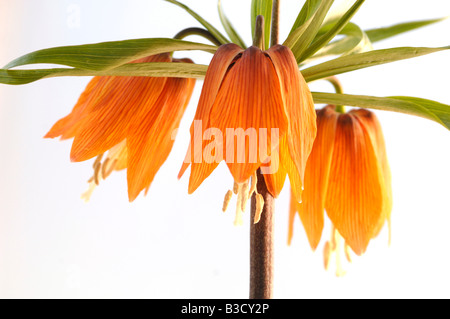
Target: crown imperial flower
[[254, 90], [131, 117], [347, 175]]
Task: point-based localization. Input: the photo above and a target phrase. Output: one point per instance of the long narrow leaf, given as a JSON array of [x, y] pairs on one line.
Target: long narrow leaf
[[335, 29], [219, 36], [294, 36], [364, 60], [355, 41], [309, 8], [179, 70], [428, 109], [107, 55], [308, 36], [231, 31], [379, 34], [264, 8]]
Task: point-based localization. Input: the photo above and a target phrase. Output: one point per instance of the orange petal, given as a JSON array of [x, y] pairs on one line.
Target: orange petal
[[311, 210], [66, 124], [292, 212], [356, 189], [150, 138], [276, 176], [249, 100], [299, 106], [275, 181], [372, 127], [291, 169], [110, 115], [217, 69]]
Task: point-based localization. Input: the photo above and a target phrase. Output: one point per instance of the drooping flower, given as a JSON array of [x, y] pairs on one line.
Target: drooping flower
[[348, 176], [261, 103], [131, 118]]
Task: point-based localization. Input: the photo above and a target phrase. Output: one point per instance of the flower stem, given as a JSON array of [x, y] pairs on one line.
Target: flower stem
[[274, 34], [197, 31], [339, 90], [258, 37], [261, 244]]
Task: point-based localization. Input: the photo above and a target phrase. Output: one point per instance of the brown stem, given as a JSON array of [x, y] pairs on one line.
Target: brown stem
[[274, 34], [258, 37], [261, 245]]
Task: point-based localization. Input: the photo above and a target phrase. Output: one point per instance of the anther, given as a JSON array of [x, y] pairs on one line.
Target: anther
[[110, 169], [348, 253], [104, 166], [259, 208], [227, 200], [253, 186], [96, 173], [244, 196], [86, 196], [235, 188], [326, 255], [97, 160]]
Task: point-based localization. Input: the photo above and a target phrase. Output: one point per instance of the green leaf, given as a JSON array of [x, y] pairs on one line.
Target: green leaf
[[334, 29], [264, 8], [107, 55], [379, 34], [219, 36], [309, 8], [294, 36], [356, 41], [310, 33], [428, 109], [231, 31], [364, 60], [180, 70]]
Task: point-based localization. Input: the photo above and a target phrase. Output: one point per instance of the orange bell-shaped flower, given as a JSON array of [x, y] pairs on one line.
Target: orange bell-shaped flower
[[347, 175], [133, 118], [255, 111]]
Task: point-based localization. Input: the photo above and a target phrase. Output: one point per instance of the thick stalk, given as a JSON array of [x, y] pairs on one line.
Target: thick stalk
[[261, 233], [258, 37], [274, 34], [261, 245]]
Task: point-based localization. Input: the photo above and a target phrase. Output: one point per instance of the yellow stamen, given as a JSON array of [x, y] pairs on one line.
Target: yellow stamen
[[326, 255], [226, 200], [104, 166], [244, 196], [348, 253], [97, 173], [235, 188], [97, 160], [86, 196], [253, 186], [333, 239], [259, 208], [340, 272], [336, 245], [107, 170]]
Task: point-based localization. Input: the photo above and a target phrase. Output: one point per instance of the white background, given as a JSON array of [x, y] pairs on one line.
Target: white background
[[174, 245]]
